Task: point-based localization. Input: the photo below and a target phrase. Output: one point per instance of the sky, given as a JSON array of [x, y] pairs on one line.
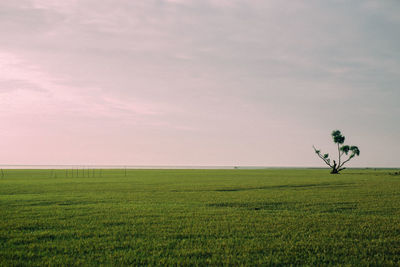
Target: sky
[[198, 82]]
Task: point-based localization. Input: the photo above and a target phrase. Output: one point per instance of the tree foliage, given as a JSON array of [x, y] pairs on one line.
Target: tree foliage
[[343, 151]]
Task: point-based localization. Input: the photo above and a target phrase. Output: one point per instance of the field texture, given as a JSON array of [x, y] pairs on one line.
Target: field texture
[[199, 217]]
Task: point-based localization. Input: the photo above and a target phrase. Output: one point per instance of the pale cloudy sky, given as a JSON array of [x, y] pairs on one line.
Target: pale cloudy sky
[[198, 82]]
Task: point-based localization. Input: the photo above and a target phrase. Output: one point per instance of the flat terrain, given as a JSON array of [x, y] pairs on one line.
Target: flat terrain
[[200, 217]]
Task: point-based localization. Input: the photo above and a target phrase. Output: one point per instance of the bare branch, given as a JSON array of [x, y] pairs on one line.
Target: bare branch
[[349, 158], [320, 155]]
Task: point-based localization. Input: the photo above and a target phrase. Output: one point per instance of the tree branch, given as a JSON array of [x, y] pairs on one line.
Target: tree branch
[[350, 157], [324, 159]]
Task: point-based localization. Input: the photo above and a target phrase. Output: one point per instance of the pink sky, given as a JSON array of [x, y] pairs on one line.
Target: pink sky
[[197, 82]]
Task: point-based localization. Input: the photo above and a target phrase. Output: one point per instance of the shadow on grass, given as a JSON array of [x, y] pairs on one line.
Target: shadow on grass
[[254, 205], [337, 207], [300, 186], [270, 187], [57, 203]]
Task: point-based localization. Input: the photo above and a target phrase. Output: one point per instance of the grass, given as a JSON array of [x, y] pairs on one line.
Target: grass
[[199, 217]]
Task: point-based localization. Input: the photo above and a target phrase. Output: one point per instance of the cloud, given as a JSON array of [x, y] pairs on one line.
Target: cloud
[[29, 90]]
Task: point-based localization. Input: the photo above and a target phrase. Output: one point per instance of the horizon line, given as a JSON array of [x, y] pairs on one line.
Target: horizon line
[[127, 166]]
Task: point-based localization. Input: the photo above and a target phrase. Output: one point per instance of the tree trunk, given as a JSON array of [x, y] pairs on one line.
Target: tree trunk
[[334, 171], [335, 168]]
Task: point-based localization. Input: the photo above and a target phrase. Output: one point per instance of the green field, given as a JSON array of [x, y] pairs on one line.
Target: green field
[[199, 217]]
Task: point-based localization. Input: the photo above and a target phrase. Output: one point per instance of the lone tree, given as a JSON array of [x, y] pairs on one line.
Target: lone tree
[[338, 138]]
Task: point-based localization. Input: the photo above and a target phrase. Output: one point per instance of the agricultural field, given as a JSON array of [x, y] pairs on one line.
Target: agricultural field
[[199, 217]]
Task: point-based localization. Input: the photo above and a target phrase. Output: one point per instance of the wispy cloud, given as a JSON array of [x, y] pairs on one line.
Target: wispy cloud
[[27, 89]]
